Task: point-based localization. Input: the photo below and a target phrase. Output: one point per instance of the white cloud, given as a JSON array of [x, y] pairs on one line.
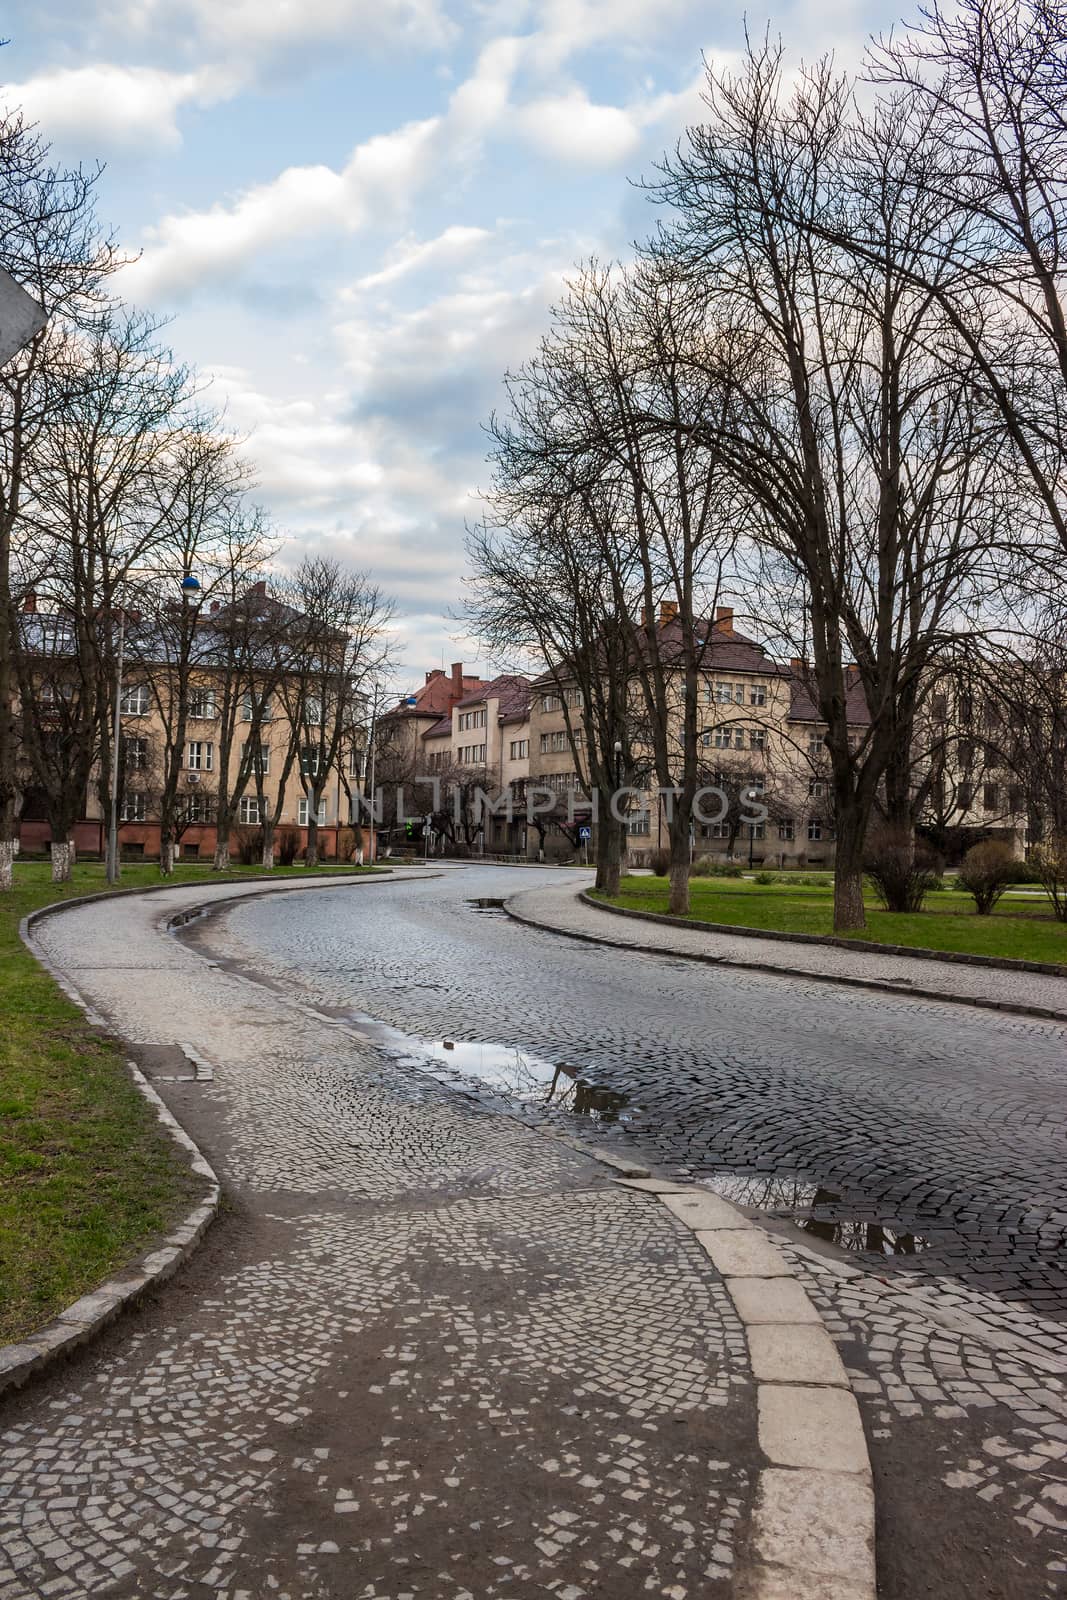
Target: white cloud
[[570, 128], [184, 251], [107, 107], [411, 255]]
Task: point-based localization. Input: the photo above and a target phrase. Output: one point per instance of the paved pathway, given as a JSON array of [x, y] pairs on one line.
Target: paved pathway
[[558, 906], [429, 1352], [875, 1118]]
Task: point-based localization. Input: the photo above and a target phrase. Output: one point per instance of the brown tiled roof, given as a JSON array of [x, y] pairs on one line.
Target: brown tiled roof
[[441, 729], [434, 698], [510, 689], [802, 702]]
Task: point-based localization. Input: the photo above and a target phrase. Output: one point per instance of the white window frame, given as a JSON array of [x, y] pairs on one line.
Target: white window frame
[[248, 811], [202, 696], [200, 756], [135, 700], [302, 809], [134, 806]]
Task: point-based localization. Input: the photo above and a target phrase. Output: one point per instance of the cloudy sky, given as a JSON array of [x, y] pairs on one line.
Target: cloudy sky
[[359, 211]]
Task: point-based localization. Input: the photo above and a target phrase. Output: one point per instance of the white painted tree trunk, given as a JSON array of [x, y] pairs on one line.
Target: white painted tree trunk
[[7, 862], [267, 860], [61, 862], [222, 856], [166, 857]]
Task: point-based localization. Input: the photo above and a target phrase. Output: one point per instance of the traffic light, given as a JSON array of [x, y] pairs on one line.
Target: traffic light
[[409, 829]]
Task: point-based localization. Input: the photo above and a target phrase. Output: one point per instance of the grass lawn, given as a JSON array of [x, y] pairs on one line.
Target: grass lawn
[[1022, 926], [88, 1180]]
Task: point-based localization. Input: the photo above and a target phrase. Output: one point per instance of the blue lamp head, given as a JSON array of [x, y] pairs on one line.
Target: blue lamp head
[[411, 701], [190, 585]]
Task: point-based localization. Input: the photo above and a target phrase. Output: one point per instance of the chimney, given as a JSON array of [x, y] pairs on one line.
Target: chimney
[[435, 672], [799, 666], [644, 616], [258, 591], [724, 619], [457, 681], [668, 610], [29, 605], [214, 606]]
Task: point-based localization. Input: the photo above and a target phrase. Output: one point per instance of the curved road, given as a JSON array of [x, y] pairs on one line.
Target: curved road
[[930, 1133]]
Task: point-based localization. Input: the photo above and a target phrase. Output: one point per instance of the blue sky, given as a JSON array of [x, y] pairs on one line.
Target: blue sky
[[358, 213]]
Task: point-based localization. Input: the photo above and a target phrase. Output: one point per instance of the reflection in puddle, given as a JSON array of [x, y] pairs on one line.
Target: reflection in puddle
[[502, 1068], [486, 904], [818, 1211], [585, 1099]]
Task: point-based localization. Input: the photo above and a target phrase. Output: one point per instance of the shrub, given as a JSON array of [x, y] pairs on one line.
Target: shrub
[[346, 844], [766, 877], [286, 845], [709, 867], [249, 846], [985, 872], [902, 869], [1049, 859], [660, 862]]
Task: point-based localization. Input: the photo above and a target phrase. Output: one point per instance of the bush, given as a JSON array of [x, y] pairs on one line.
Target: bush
[[985, 872], [347, 843], [660, 862], [766, 877], [709, 867], [1049, 859], [902, 869], [286, 845], [249, 846]]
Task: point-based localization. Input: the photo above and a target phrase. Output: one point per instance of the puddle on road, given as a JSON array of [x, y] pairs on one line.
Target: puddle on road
[[818, 1211], [487, 904], [474, 1065]]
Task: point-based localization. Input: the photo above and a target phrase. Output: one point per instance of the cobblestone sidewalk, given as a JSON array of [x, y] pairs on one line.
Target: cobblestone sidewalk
[[428, 1353], [558, 907]]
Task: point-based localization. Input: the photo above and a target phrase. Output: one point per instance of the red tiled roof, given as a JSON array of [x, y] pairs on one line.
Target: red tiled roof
[[510, 689], [434, 698], [804, 708]]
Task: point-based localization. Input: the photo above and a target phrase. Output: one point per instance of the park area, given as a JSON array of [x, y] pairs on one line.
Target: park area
[[1021, 927]]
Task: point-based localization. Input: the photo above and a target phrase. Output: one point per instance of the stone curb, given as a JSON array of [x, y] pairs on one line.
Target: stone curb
[[866, 946], [813, 1525], [902, 991]]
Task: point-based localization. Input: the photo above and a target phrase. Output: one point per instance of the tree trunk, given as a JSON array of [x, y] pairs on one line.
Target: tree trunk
[[61, 861], [849, 912], [166, 855], [266, 860], [221, 862], [610, 842], [311, 855], [678, 902], [7, 862]]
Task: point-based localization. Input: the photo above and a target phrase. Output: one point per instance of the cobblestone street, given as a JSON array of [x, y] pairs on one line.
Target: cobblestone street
[[428, 1352], [872, 1121]]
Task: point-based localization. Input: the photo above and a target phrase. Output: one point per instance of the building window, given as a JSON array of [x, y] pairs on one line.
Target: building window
[[553, 743], [313, 711], [963, 796], [472, 755], [302, 812], [551, 702], [248, 810], [939, 706], [816, 747], [990, 796], [815, 828], [787, 829], [520, 749], [355, 762], [260, 763], [639, 822], [471, 719], [728, 694], [135, 700], [201, 703], [249, 709], [136, 754], [757, 695], [715, 830], [133, 806], [201, 756], [757, 739], [560, 782], [757, 783], [724, 738], [757, 830], [573, 698], [197, 807], [311, 760], [816, 788]]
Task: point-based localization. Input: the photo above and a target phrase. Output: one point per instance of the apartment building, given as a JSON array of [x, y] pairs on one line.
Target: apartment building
[[147, 702]]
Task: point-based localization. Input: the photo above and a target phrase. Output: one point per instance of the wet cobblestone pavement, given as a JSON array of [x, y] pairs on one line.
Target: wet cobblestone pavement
[[427, 1354], [899, 1123]]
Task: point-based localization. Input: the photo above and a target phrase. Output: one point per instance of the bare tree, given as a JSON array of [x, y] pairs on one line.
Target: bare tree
[[338, 644], [50, 243], [855, 427]]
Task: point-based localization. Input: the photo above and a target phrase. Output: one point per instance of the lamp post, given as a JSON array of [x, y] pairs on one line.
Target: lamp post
[[116, 734]]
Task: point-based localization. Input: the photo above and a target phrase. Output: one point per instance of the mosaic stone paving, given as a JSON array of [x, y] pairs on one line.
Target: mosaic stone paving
[[910, 1105], [430, 1352]]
